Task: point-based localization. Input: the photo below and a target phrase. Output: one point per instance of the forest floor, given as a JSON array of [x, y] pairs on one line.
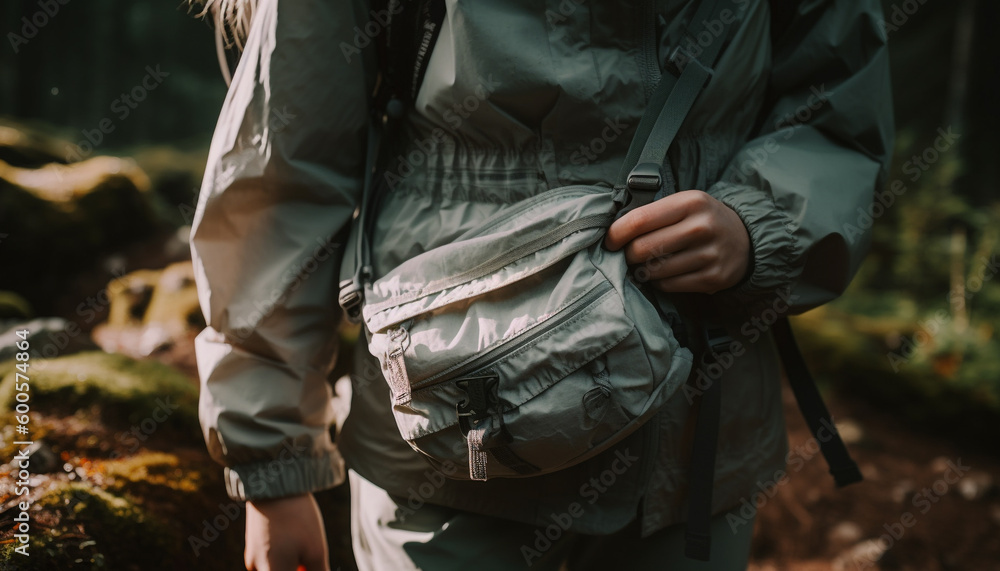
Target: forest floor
[[931, 501]]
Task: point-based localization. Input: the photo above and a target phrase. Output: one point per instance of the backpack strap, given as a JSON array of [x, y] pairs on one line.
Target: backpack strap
[[415, 26], [844, 470], [643, 173], [645, 176]]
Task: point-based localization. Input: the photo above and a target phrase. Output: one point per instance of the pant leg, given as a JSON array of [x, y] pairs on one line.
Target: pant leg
[[387, 535], [664, 550]]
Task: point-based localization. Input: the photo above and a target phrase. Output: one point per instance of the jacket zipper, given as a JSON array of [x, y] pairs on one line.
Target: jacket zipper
[[482, 361]]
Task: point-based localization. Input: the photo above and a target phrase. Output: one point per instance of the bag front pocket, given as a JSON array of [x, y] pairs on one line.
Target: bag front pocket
[[523, 402]]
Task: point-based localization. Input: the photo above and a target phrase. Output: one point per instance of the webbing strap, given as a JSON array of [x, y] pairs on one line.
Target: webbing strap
[[845, 471], [673, 98], [697, 532], [510, 459], [713, 339]]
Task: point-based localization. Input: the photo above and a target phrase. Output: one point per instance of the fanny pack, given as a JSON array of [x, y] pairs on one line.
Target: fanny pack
[[524, 347]]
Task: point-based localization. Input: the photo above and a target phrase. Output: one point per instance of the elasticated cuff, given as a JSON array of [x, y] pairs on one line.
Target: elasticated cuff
[[284, 476], [771, 241]]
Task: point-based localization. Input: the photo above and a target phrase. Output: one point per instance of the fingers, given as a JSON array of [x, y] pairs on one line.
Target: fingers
[[683, 262], [709, 279], [703, 281], [659, 214], [665, 242]]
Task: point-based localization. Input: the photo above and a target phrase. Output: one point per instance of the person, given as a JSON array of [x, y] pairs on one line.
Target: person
[[777, 164]]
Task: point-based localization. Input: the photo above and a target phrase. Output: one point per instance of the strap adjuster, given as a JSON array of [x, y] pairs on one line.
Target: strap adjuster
[[352, 295], [645, 176]]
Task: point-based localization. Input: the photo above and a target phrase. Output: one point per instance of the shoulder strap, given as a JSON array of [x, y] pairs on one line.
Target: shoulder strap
[[417, 28], [844, 470], [642, 173]]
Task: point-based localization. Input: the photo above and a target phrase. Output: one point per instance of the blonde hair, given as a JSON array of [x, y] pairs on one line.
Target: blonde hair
[[231, 17]]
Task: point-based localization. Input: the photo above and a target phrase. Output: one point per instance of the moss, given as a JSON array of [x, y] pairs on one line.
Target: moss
[[92, 529], [124, 392], [137, 474]]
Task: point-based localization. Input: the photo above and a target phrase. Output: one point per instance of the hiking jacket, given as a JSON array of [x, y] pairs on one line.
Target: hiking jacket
[[793, 132]]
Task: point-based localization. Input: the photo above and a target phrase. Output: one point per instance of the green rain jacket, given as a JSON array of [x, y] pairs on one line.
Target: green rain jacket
[[793, 133]]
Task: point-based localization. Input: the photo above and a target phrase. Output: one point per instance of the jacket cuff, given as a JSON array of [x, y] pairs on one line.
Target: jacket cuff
[[283, 476], [772, 244]]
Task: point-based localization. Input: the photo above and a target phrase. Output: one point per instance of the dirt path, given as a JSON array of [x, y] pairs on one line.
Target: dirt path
[[931, 501]]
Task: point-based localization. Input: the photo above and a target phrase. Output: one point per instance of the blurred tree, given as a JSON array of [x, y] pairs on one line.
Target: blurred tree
[[71, 69]]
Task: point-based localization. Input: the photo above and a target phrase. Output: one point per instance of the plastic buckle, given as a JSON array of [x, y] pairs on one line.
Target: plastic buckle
[[480, 398], [717, 341], [352, 298], [645, 176], [678, 60]]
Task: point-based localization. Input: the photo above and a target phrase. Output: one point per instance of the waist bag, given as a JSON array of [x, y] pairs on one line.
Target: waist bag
[[524, 347]]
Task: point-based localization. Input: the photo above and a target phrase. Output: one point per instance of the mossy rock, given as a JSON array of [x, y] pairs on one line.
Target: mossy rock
[[92, 529], [125, 392], [62, 219]]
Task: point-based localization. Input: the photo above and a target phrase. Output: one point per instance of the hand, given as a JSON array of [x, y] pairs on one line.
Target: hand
[[686, 242], [284, 535]]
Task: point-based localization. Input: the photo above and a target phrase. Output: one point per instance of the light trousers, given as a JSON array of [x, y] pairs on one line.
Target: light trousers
[[389, 536]]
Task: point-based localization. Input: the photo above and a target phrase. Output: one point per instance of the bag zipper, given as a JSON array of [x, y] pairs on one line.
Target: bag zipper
[[542, 328], [504, 259]]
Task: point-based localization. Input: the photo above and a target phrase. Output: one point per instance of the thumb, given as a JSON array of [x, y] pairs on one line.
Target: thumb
[[618, 234]]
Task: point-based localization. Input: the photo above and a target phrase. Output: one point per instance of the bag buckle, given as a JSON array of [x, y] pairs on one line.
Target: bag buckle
[[352, 294], [480, 400]]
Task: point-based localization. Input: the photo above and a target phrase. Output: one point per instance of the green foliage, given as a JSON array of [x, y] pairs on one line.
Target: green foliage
[[916, 329]]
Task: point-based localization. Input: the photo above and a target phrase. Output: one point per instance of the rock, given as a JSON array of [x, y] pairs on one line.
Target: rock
[[125, 393], [70, 216], [902, 491], [870, 471], [941, 464], [66, 185], [42, 459], [844, 534], [29, 148], [975, 485], [863, 555], [151, 311], [48, 337], [850, 431]]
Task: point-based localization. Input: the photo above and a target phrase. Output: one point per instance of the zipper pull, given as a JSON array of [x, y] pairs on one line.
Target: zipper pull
[[394, 367]]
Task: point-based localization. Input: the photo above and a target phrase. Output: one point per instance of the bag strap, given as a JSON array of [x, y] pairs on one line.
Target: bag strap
[[642, 172], [843, 468], [423, 21]]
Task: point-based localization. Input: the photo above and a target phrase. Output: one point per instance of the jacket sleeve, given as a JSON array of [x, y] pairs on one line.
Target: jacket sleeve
[[804, 187], [283, 177]]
